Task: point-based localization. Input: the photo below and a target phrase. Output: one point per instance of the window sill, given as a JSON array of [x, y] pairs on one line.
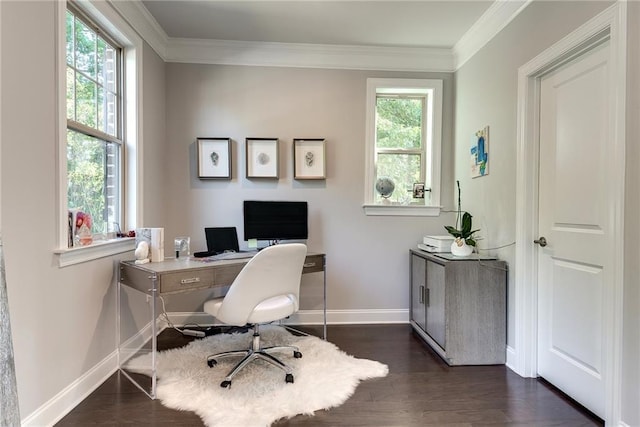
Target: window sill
[[98, 249], [401, 210]]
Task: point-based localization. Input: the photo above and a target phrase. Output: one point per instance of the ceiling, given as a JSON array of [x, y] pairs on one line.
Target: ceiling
[[395, 23]]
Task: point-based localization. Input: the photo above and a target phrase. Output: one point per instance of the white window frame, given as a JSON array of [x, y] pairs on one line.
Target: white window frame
[[104, 15], [432, 158]]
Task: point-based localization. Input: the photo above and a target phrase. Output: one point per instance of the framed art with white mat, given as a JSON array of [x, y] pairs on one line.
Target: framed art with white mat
[[214, 158], [262, 157], [309, 159]]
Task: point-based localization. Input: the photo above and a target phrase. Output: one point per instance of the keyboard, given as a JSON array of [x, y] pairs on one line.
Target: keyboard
[[232, 255]]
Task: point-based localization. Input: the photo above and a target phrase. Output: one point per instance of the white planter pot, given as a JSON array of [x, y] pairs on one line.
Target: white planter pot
[[460, 248]]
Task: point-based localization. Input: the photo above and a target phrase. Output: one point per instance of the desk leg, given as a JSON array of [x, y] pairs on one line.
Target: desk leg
[[118, 314], [154, 334], [324, 305], [324, 308], [143, 342]]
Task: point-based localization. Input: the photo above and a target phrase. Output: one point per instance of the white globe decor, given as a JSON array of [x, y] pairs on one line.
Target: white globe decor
[[385, 187]]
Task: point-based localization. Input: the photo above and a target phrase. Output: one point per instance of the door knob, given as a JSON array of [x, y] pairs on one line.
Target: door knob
[[542, 241]]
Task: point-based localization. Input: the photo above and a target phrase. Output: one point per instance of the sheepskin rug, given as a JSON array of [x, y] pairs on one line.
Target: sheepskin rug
[[325, 377]]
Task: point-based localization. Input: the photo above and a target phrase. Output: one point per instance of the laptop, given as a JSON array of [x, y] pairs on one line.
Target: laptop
[[220, 240]]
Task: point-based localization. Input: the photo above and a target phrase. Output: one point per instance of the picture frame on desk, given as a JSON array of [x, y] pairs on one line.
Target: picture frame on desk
[[309, 158], [214, 158], [262, 158]]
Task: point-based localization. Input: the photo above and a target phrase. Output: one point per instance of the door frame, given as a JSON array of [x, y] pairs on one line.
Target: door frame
[[610, 24]]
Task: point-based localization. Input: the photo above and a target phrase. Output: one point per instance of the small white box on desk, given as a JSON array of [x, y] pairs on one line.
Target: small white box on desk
[[155, 238], [436, 243]]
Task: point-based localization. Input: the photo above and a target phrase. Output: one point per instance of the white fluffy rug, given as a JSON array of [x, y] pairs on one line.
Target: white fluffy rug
[[325, 377]]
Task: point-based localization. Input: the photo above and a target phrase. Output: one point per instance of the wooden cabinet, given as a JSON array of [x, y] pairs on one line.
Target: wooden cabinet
[[458, 306]]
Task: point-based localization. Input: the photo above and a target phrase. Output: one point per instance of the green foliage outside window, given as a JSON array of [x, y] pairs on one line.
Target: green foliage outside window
[[399, 122], [86, 176], [92, 111], [399, 151]]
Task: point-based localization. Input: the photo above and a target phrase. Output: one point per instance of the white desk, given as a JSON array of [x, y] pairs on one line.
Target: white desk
[[174, 276]]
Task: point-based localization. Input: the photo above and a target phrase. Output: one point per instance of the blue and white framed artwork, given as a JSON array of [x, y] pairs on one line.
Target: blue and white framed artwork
[[480, 153]]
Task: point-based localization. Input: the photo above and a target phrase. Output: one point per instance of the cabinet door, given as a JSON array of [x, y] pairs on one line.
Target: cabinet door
[[435, 303], [417, 290]]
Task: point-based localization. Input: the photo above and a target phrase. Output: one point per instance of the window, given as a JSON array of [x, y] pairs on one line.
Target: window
[[99, 133], [404, 126], [94, 140]]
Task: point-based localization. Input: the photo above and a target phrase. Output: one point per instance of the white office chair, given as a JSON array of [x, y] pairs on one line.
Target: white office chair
[[266, 290]]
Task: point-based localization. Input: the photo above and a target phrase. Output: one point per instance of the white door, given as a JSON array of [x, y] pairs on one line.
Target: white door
[[575, 218]]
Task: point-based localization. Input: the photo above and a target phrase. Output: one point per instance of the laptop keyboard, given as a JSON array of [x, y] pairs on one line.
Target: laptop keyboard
[[232, 255]]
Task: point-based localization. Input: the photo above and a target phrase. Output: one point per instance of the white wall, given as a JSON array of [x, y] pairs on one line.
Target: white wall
[[367, 257], [486, 94], [630, 392], [63, 320], [154, 152]]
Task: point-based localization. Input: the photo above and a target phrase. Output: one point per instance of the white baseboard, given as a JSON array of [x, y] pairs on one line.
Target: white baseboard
[[62, 403], [337, 317], [309, 317], [511, 359]]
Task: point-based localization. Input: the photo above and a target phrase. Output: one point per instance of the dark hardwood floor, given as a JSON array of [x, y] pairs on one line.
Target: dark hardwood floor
[[420, 390]]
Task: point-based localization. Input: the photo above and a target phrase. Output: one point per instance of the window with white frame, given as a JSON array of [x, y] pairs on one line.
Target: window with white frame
[[99, 136], [404, 128], [94, 143]]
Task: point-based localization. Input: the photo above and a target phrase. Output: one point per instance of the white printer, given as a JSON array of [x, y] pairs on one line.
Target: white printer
[[436, 243]]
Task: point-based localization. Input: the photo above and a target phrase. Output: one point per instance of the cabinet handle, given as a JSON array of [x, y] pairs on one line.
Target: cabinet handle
[[427, 297], [309, 264], [421, 294], [190, 280]]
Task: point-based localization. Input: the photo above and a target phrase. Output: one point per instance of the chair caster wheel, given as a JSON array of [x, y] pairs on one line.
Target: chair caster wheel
[[225, 384], [297, 354], [289, 378], [212, 363]]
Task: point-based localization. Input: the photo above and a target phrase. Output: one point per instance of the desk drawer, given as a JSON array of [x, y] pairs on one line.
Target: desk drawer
[[186, 280], [313, 263], [224, 276]]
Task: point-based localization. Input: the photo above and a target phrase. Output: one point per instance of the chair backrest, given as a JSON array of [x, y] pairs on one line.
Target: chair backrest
[[274, 271], [220, 239]]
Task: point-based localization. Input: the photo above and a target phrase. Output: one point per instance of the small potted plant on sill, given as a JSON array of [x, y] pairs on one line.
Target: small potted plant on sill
[[464, 241]]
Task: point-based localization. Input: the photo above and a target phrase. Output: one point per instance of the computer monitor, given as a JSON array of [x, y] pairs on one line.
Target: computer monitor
[[221, 239], [275, 220]]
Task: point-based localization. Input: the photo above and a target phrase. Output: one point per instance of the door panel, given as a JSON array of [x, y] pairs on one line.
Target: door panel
[[436, 303], [574, 216], [417, 290], [576, 301]]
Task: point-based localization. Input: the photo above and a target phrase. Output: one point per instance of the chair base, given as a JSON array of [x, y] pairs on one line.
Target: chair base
[[255, 352]]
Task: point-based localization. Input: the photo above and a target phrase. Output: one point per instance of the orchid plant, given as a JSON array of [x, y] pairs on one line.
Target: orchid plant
[[463, 228]]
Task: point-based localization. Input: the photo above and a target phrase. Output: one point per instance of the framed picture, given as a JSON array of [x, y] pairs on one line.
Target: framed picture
[[262, 157], [418, 190], [479, 153], [309, 159], [214, 158]]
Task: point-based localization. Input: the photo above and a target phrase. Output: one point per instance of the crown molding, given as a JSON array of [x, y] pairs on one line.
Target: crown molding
[[309, 55], [230, 52], [144, 24], [498, 16]]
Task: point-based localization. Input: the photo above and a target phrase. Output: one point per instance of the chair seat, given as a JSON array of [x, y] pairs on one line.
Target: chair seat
[[269, 310]]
